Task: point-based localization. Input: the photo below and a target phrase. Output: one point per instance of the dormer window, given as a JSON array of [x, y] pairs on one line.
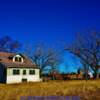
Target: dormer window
[[18, 58]]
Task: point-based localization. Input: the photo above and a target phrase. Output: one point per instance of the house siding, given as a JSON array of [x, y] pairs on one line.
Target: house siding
[[18, 78]]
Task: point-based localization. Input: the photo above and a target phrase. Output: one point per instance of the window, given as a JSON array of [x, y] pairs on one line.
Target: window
[[32, 72], [16, 72], [18, 59], [24, 72]]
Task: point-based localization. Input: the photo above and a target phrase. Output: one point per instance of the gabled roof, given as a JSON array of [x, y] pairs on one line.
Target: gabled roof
[[6, 59]]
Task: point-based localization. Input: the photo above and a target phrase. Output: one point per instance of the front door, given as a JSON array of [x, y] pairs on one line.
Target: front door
[[24, 80]]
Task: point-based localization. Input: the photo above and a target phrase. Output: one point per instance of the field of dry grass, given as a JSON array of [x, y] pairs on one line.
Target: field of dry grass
[[86, 90]]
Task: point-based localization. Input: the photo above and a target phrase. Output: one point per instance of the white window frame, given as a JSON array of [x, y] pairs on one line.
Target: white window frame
[[22, 60]]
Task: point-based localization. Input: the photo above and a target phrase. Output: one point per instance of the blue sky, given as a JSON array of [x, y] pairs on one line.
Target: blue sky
[[48, 21]]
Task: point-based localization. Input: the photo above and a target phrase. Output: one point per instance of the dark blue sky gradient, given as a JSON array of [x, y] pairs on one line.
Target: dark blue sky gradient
[[48, 21]]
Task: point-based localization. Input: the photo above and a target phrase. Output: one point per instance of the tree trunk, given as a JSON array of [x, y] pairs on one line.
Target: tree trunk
[[86, 68], [96, 74], [53, 76], [97, 77]]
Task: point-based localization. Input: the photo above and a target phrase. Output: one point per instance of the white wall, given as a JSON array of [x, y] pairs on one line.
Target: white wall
[[18, 78]]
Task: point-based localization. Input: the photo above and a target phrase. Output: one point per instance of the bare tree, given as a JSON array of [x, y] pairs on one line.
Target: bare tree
[[8, 44], [45, 59], [87, 48]]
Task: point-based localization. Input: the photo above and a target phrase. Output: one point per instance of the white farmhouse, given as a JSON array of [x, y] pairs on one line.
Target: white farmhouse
[[17, 68]]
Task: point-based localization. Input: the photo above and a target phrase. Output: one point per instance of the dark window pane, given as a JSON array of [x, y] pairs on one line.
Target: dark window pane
[[16, 59], [32, 72], [16, 72], [20, 59], [24, 72]]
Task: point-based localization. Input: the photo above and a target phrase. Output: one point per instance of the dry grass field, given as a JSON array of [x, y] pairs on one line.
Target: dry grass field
[[89, 90]]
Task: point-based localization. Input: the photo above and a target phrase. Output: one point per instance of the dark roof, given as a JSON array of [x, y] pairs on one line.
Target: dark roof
[[7, 61]]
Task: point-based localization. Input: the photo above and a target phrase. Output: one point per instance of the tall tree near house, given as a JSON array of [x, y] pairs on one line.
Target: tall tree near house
[[7, 44], [88, 50], [45, 59], [85, 69]]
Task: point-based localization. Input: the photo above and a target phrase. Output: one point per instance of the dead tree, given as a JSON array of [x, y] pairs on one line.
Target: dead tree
[[7, 44], [45, 59], [87, 48]]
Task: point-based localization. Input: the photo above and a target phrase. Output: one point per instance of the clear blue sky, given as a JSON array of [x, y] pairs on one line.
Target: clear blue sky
[[48, 21]]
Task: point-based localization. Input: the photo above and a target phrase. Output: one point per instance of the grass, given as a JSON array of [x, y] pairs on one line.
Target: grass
[[89, 90]]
